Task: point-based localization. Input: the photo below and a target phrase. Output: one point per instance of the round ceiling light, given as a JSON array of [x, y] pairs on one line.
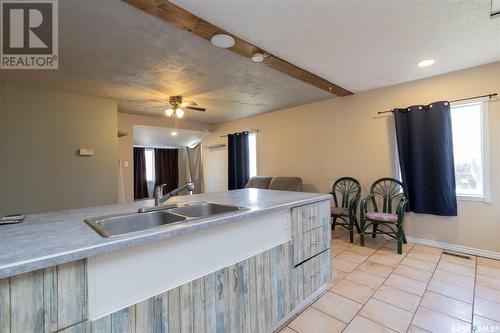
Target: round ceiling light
[[174, 133], [426, 63], [169, 112], [222, 40], [179, 113], [257, 57]]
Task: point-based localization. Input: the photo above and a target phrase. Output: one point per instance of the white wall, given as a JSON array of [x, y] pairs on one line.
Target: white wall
[[323, 141]]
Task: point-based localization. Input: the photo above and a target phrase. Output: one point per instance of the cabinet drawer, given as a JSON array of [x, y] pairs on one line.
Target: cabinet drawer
[[309, 276], [309, 244], [309, 217]]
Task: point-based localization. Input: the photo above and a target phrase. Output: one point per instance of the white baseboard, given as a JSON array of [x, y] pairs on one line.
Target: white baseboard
[[456, 248]]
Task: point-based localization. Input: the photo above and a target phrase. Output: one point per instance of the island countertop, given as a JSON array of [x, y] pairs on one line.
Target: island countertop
[[50, 239]]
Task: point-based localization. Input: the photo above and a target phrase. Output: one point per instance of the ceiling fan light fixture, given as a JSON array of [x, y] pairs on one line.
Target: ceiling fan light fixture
[[179, 113], [169, 112], [257, 57], [222, 40]]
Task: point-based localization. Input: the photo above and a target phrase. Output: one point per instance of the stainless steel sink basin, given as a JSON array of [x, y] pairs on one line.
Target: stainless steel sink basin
[[204, 209], [114, 225]]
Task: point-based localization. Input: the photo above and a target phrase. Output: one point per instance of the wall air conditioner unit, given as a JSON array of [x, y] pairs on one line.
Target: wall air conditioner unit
[[495, 8]]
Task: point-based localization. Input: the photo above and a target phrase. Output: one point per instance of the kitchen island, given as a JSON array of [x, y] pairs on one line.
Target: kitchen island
[[245, 271]]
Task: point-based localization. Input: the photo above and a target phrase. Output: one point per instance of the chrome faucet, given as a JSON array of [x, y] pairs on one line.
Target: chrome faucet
[[160, 198]]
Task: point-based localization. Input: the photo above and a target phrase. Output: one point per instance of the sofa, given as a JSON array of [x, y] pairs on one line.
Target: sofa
[[276, 183]]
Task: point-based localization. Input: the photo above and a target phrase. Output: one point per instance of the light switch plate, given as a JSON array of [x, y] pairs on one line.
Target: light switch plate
[[86, 152]]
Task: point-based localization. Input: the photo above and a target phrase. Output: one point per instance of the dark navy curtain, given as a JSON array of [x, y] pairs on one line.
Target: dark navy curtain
[[425, 148], [167, 169], [140, 183], [238, 166]]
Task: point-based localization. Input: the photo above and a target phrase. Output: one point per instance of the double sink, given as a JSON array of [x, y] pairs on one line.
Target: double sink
[[115, 225]]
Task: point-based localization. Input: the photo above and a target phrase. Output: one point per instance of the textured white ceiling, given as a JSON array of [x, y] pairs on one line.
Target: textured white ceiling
[[110, 49], [363, 44]]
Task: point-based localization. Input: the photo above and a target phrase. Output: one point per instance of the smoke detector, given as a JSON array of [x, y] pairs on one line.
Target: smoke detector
[[257, 57]]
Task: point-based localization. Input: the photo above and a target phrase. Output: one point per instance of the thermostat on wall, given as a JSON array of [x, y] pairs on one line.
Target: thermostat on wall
[[86, 152]]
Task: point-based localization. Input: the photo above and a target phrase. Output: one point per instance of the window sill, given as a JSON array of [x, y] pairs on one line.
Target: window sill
[[485, 199]]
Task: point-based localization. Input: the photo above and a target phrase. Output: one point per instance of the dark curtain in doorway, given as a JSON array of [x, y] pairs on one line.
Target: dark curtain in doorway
[[167, 168], [238, 164], [425, 148], [140, 183]]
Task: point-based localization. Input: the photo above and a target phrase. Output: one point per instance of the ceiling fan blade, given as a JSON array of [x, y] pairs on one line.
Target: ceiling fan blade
[[188, 103], [165, 101], [195, 108]]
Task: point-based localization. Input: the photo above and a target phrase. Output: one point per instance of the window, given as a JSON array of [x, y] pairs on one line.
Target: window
[[252, 151], [469, 121], [469, 127], [150, 164]]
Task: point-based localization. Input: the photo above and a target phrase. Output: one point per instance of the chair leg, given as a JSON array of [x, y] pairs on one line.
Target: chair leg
[[356, 224], [334, 220], [400, 237], [351, 233], [375, 225], [362, 233], [404, 236]]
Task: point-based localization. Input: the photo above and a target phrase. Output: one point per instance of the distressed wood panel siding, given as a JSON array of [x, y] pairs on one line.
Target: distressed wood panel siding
[[123, 321], [222, 300], [209, 302], [47, 300], [26, 302], [71, 293], [174, 314], [310, 243], [198, 288], [145, 316], [309, 217], [50, 299], [161, 312], [186, 307], [4, 305], [78, 328], [102, 325]]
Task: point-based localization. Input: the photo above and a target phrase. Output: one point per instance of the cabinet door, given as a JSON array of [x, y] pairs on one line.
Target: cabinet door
[[46, 300], [263, 284], [244, 296], [222, 300], [233, 299], [239, 297]]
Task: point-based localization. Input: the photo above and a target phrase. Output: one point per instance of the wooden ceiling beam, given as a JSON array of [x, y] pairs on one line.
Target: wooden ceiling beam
[[185, 20]]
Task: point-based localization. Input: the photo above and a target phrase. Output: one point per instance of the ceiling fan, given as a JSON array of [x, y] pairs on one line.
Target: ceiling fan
[[177, 105]]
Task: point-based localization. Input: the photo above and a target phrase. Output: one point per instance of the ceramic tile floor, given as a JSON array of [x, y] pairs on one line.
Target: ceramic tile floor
[[373, 289]]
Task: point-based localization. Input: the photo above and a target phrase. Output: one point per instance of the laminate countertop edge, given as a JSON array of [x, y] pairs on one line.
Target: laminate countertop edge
[[50, 239]]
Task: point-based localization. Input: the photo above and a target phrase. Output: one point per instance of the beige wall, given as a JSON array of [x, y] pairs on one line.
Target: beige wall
[[40, 132], [126, 143], [323, 141]]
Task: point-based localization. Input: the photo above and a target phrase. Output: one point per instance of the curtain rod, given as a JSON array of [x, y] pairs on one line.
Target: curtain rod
[[456, 100], [250, 131]]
